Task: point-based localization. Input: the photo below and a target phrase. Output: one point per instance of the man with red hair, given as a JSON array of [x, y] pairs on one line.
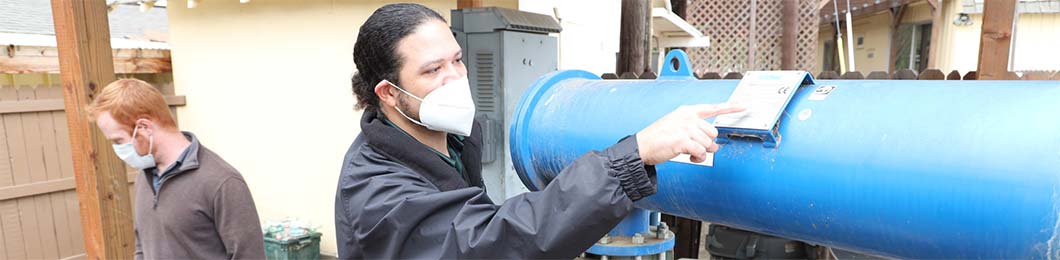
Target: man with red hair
[[189, 203]]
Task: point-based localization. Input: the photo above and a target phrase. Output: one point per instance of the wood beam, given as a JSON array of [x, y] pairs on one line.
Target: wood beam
[[936, 31], [632, 44], [16, 59], [827, 16], [47, 105], [789, 36], [86, 65], [464, 4], [996, 38], [896, 20], [45, 64]]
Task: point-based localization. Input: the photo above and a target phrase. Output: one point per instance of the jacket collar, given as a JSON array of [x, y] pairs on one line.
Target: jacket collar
[[408, 151], [187, 161], [191, 156]]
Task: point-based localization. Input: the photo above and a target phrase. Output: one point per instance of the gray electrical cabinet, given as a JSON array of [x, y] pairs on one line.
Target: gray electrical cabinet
[[505, 51]]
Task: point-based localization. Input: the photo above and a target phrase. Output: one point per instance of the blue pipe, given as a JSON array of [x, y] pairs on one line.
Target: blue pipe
[[905, 169], [636, 222]]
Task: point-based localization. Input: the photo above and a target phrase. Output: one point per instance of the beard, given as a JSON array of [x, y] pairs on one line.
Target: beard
[[404, 105]]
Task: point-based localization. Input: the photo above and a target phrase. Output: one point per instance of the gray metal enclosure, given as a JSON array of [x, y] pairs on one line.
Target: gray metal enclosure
[[505, 51]]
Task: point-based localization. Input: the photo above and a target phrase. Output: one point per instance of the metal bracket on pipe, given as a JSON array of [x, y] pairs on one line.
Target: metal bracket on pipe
[[676, 67]]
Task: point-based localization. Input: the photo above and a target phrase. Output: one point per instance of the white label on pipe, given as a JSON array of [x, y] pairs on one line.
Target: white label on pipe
[[684, 158], [764, 94], [822, 92]]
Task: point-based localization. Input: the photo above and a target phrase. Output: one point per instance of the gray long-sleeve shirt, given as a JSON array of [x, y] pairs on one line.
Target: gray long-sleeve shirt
[[396, 200], [202, 209]]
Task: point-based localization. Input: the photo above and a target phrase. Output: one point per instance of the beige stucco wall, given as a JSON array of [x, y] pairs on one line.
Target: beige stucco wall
[[268, 88], [959, 45], [874, 52], [919, 12], [1035, 37], [589, 39], [875, 49]]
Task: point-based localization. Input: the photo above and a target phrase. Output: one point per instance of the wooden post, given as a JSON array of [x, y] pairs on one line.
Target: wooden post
[[85, 65], [631, 46], [752, 37], [936, 29], [680, 8], [896, 20], [789, 36], [996, 38], [463, 4]]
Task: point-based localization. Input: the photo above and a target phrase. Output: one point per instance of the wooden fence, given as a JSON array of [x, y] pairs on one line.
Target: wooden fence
[[39, 210]]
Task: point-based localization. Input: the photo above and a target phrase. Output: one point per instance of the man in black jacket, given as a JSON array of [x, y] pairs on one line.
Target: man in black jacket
[[411, 184]]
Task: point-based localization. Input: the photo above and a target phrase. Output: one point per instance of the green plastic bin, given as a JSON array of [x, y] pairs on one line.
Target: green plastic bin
[[304, 247]]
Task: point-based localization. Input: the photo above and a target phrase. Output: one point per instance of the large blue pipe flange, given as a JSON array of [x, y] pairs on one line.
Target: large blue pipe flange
[[657, 242]]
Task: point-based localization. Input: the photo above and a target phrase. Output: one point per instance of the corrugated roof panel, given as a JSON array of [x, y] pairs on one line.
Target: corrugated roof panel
[[35, 17], [1024, 6], [22, 39]]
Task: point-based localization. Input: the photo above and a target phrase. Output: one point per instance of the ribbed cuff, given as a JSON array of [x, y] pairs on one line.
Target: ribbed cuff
[[636, 178]]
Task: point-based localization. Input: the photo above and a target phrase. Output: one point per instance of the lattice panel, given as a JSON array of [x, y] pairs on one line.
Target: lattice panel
[[806, 42], [770, 31], [746, 35]]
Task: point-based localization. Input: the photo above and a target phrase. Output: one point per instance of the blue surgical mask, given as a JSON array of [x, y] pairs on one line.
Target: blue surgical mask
[[127, 152]]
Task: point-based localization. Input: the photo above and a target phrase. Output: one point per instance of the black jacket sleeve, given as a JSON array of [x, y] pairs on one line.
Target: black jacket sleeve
[[401, 215]]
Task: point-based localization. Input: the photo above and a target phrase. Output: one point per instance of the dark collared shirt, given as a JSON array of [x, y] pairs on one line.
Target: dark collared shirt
[[156, 179], [455, 146]]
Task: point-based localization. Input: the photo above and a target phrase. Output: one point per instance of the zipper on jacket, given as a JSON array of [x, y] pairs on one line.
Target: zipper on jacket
[[161, 183]]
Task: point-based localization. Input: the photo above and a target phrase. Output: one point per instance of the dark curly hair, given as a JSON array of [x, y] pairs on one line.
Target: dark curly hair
[[375, 52]]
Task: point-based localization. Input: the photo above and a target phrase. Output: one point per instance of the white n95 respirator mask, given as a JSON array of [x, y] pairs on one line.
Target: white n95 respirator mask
[[448, 108]]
